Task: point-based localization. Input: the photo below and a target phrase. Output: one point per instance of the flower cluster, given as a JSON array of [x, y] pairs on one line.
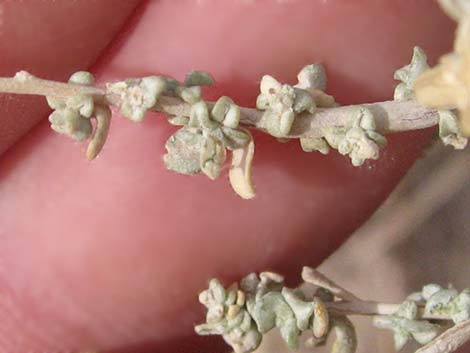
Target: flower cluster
[[244, 312], [262, 303], [444, 301], [358, 139], [200, 145], [72, 116], [405, 325], [281, 103], [227, 316], [137, 95], [437, 301], [190, 91]]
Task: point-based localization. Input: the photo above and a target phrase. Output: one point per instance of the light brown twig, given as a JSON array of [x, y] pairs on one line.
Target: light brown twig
[[350, 304], [315, 277], [450, 340]]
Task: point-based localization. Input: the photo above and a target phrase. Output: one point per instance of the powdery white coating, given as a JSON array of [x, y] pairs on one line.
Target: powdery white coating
[[357, 138]]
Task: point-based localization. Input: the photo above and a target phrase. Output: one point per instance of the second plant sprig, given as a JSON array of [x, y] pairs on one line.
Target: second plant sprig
[[243, 313]]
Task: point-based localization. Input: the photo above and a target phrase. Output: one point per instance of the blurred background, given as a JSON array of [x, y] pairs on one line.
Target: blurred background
[[421, 234]]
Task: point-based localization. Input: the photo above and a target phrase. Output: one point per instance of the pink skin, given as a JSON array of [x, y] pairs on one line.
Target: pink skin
[[109, 255]]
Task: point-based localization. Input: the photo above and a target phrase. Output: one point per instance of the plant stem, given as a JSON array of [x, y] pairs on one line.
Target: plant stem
[[25, 83], [372, 308], [315, 277], [390, 116], [350, 304], [450, 340]]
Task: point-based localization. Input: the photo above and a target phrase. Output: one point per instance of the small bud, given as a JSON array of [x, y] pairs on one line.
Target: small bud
[[430, 289], [82, 78], [178, 120], [314, 144], [312, 77], [198, 78], [408, 75], [69, 122], [226, 112], [190, 95]]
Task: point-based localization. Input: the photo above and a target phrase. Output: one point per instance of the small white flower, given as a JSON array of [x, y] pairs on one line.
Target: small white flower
[[359, 139], [138, 95], [281, 102]]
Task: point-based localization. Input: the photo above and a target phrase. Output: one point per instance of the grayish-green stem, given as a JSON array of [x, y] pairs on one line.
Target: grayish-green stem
[[25, 83], [372, 308], [350, 304], [390, 116]]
